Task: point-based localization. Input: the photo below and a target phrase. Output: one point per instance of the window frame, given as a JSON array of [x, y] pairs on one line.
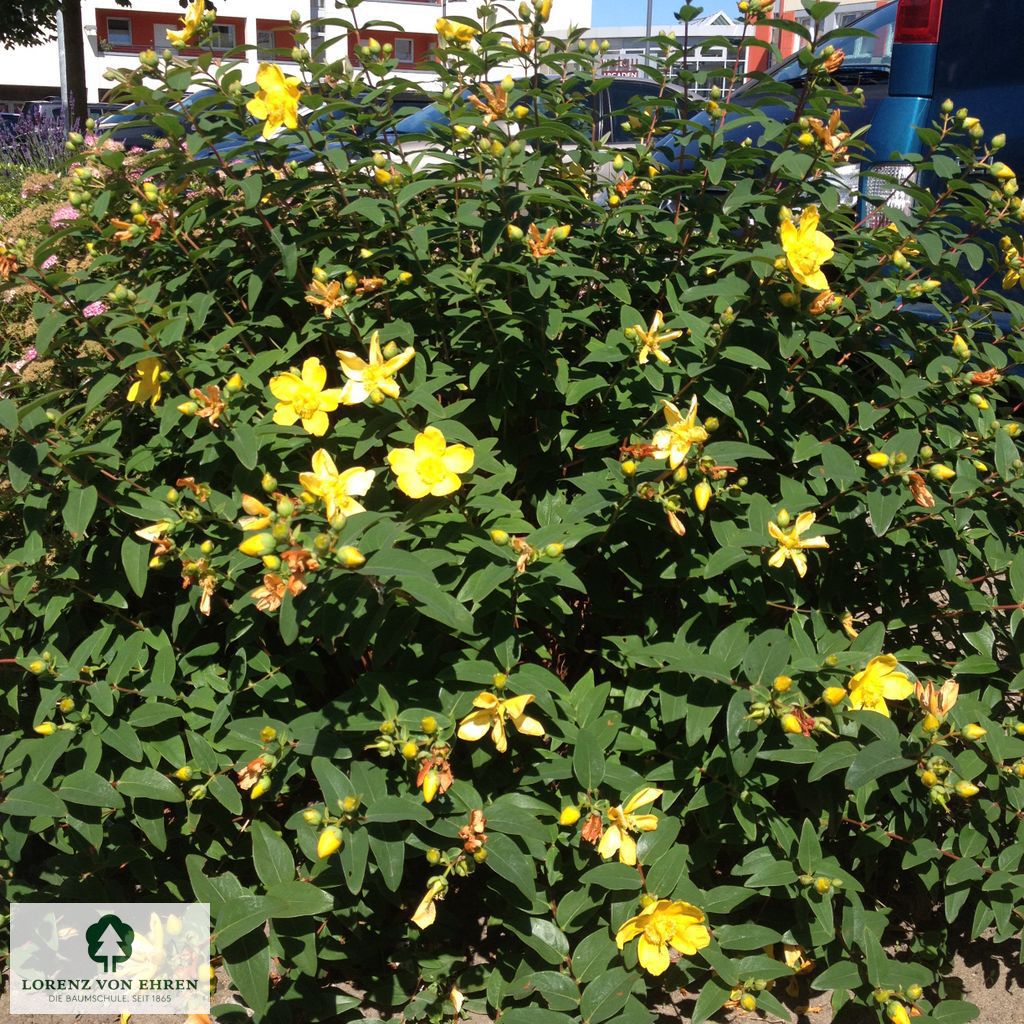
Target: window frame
[[127, 22], [412, 50], [220, 26]]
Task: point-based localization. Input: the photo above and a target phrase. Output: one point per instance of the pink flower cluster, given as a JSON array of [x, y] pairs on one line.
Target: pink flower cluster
[[97, 308], [63, 213]]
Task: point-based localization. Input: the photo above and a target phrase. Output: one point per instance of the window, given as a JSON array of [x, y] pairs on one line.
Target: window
[[119, 31], [160, 40], [265, 43], [222, 37], [404, 52]]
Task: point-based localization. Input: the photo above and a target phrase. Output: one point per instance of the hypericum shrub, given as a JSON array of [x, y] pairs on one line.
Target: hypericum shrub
[[505, 570]]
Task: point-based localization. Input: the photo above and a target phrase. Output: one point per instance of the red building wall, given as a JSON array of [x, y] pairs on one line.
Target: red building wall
[[143, 26], [422, 44]]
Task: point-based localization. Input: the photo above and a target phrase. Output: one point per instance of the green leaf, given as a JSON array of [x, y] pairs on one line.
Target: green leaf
[[148, 784], [875, 760], [296, 899], [271, 856], [88, 788], [844, 975], [135, 559], [79, 508], [248, 966], [606, 995], [593, 954], [33, 800], [238, 917], [396, 808], [588, 760], [507, 861]]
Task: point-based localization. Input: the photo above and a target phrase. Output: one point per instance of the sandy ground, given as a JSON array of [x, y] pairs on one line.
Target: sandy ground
[[990, 977]]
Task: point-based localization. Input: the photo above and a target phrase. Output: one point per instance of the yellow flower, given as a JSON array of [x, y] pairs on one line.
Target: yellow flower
[[662, 924], [426, 912], [490, 717], [304, 398], [328, 295], [373, 379], [258, 516], [806, 249], [653, 338], [277, 102], [938, 700], [147, 385], [792, 544], [617, 838], [455, 32], [877, 460], [190, 24], [880, 680], [338, 490], [431, 466], [569, 816], [680, 433]]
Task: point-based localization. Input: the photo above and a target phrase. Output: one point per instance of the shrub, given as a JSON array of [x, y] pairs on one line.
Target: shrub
[[509, 568]]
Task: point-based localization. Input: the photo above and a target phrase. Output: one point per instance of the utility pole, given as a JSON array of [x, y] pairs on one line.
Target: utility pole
[[62, 61], [650, 24]]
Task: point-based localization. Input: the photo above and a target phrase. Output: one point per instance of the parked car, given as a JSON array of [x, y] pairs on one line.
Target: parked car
[[135, 128], [245, 147], [51, 108], [867, 65], [964, 50], [602, 109]]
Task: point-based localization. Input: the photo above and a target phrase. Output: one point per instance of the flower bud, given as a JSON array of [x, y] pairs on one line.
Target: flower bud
[[834, 695], [66, 705], [702, 495], [258, 545], [268, 734], [628, 468], [748, 1002], [569, 816], [271, 562], [431, 784], [329, 841], [822, 885], [941, 472], [312, 816], [349, 557], [914, 992], [877, 460], [791, 724], [184, 774], [433, 855], [554, 550], [480, 855], [930, 723], [897, 1013], [37, 667], [498, 680], [45, 728], [929, 778], [499, 537], [562, 232], [973, 732], [409, 750], [261, 787], [782, 684]]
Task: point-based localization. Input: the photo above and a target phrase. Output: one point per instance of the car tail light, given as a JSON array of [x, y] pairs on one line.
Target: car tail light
[[917, 21], [882, 184]]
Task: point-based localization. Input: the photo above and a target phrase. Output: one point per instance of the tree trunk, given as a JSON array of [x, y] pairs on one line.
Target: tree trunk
[[74, 46]]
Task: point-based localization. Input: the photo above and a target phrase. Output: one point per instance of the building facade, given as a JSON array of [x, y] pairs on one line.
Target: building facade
[[793, 10], [712, 39], [114, 36]]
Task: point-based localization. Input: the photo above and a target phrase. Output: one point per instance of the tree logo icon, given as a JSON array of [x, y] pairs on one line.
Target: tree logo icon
[[110, 942]]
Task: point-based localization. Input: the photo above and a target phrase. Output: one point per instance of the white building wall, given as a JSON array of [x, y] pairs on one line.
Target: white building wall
[[34, 70]]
